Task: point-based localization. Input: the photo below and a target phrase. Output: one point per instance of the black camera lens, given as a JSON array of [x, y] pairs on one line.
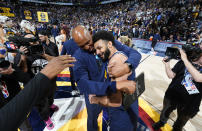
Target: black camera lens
[[172, 53], [4, 64]]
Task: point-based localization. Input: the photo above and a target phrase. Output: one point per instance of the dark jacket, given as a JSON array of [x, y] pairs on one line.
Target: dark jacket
[[15, 112]]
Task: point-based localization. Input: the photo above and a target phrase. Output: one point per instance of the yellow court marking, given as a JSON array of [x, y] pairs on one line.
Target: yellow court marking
[[153, 114], [63, 83], [79, 122], [65, 72]]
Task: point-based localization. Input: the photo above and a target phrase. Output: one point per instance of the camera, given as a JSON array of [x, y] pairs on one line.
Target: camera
[[4, 63], [36, 49], [172, 53], [192, 51], [16, 41]]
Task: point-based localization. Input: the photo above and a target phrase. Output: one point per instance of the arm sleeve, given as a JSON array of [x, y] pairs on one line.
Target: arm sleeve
[[63, 52], [66, 49], [56, 50], [177, 66], [88, 86], [15, 112], [21, 76], [134, 56]]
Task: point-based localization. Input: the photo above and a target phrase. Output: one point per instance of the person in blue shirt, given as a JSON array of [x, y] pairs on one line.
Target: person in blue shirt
[[88, 72], [70, 47], [119, 118], [156, 38], [55, 32]]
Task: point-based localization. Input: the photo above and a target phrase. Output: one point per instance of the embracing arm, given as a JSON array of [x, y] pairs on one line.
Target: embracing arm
[[112, 100], [132, 62], [169, 71], [134, 56], [88, 86]]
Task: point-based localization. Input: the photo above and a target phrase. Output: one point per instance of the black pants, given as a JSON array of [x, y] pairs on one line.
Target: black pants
[[168, 107], [43, 106], [154, 42], [25, 126], [72, 79]]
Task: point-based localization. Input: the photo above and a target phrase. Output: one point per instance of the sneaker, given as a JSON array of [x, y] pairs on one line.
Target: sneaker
[[158, 125], [152, 52], [49, 124], [54, 108]]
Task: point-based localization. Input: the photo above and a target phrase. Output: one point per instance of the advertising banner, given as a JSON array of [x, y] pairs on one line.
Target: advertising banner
[[7, 11], [27, 14], [42, 16]]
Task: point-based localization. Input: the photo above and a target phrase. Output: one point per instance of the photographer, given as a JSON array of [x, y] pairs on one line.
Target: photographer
[[12, 71], [184, 92], [10, 76], [37, 60]]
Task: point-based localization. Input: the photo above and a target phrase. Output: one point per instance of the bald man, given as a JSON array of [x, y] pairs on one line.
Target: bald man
[[89, 72]]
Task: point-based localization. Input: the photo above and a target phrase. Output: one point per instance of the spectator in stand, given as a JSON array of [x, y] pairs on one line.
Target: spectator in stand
[[178, 39], [171, 39], [156, 38], [55, 32], [63, 37]]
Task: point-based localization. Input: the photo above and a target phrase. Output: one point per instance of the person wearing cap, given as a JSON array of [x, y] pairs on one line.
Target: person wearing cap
[[50, 48], [35, 62], [44, 106]]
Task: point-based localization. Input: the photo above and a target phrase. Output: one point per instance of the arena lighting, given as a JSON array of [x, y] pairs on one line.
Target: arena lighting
[[69, 3], [109, 1], [34, 1]]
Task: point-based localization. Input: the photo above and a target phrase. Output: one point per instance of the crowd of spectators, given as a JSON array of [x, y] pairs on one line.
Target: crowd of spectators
[[172, 21]]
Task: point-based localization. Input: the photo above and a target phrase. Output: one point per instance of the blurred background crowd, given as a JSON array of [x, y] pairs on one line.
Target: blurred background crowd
[[170, 20]]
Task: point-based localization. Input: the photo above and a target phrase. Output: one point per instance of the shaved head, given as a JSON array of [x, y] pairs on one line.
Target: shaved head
[[82, 37], [29, 36]]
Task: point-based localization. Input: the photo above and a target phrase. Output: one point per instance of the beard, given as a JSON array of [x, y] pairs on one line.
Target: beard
[[106, 55]]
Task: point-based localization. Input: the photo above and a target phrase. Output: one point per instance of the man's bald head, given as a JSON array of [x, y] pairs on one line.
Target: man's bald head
[[82, 37], [29, 36]]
